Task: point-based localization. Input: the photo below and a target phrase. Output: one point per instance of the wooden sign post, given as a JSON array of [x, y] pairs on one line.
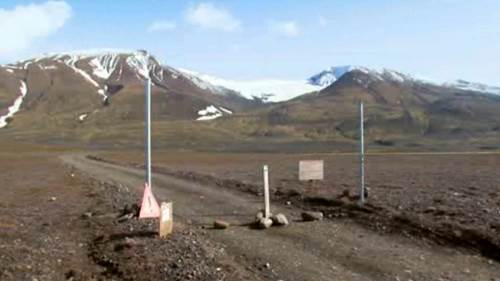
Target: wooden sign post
[[166, 219], [267, 207]]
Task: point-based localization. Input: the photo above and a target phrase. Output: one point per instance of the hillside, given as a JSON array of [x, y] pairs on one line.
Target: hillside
[[401, 112], [96, 98]]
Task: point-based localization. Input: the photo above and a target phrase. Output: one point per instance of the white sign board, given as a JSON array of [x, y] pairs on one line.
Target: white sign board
[[311, 170]]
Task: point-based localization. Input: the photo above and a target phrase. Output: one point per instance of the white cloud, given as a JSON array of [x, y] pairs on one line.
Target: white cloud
[[23, 24], [208, 16], [287, 28], [161, 25]]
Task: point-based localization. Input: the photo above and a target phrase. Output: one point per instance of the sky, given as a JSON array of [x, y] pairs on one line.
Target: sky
[[282, 39]]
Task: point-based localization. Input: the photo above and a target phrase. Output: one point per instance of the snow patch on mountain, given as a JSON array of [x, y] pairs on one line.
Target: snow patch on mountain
[[212, 112], [82, 117], [104, 65], [23, 89], [272, 90], [140, 63]]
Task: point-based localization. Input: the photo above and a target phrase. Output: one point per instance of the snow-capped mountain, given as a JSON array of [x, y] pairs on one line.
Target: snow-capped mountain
[[275, 90], [96, 95], [329, 76], [89, 81], [268, 90]]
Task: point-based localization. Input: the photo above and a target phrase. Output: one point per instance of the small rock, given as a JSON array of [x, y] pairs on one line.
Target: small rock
[[288, 203], [218, 224], [87, 215], [279, 220], [312, 216], [430, 209], [125, 217], [260, 215], [265, 223], [52, 199], [268, 265], [132, 242]]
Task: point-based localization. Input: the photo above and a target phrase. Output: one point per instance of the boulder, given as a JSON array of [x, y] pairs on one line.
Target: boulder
[[312, 216], [279, 220], [265, 223], [219, 224]]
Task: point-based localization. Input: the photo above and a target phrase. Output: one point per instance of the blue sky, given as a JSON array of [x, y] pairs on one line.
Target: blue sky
[[438, 39]]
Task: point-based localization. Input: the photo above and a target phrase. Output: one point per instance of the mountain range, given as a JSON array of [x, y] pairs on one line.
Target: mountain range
[[96, 97]]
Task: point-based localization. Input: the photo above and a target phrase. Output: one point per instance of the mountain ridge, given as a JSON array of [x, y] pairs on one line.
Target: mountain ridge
[[99, 98]]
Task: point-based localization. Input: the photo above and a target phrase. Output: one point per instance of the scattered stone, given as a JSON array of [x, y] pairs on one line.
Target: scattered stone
[[279, 220], [87, 215], [132, 242], [430, 209], [52, 199], [312, 216], [219, 224], [265, 223], [125, 217], [132, 209], [259, 215]]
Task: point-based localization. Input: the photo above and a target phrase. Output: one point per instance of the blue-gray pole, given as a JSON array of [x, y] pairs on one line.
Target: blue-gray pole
[[361, 156], [147, 133]]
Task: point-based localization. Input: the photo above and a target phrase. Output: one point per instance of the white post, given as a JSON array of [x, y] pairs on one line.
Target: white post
[[267, 211], [361, 155], [147, 133]]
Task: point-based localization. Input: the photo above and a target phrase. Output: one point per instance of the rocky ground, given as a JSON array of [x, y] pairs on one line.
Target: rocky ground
[[449, 198], [60, 220], [59, 224]]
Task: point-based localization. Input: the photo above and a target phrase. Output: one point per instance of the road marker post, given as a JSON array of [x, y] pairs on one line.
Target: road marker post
[[149, 206], [267, 207], [166, 219], [361, 156]]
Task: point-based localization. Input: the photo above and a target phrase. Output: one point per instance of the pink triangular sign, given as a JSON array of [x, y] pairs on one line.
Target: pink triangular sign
[[149, 206]]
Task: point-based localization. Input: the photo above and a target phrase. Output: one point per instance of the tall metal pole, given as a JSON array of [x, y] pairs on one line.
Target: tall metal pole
[[147, 132], [361, 156]]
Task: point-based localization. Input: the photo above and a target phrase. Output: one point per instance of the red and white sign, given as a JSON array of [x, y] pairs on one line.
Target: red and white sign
[[149, 206]]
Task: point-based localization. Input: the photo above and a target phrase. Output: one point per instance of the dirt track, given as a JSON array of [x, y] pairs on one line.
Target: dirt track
[[303, 251]]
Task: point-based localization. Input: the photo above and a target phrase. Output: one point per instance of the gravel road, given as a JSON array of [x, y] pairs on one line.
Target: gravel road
[[322, 250]]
